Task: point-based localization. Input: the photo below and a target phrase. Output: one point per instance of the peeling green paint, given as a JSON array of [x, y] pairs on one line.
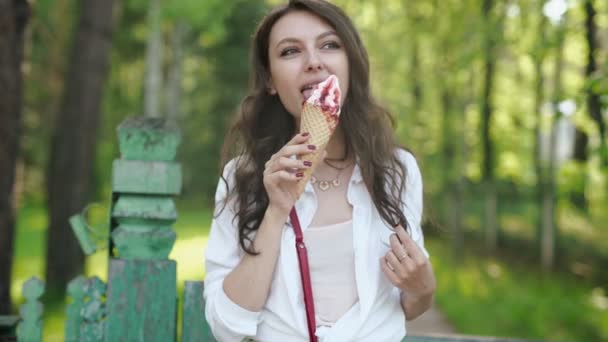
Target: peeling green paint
[[86, 241], [143, 245], [146, 177], [76, 302], [144, 138], [141, 300], [145, 207], [30, 327], [93, 312], [194, 324]]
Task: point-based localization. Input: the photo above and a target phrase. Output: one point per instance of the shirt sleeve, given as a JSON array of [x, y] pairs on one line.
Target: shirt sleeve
[[227, 320], [413, 201]]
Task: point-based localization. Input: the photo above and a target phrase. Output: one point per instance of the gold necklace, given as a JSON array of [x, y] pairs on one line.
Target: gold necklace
[[324, 185]]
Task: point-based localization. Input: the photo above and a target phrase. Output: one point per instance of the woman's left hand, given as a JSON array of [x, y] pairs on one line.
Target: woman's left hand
[[407, 267]]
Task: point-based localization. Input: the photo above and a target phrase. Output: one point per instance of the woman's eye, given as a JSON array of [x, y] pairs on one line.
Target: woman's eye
[[331, 45], [288, 51]]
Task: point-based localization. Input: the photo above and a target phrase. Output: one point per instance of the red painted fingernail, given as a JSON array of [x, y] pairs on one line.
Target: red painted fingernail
[[308, 163], [312, 147], [300, 174], [305, 134]]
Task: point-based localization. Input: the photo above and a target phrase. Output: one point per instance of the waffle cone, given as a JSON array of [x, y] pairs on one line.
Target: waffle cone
[[320, 126]]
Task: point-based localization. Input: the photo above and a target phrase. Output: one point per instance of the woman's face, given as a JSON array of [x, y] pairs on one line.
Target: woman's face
[[303, 51]]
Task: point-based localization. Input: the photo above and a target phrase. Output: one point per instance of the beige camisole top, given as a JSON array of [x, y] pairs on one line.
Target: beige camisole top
[[332, 270]]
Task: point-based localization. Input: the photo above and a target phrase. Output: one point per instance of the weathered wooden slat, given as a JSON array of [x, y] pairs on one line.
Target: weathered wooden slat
[[146, 177], [133, 243], [84, 237], [93, 311], [142, 300], [74, 319], [134, 208], [144, 226], [145, 138], [194, 324], [30, 327]]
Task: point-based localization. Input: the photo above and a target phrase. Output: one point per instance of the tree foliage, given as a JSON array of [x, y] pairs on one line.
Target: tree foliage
[[428, 62]]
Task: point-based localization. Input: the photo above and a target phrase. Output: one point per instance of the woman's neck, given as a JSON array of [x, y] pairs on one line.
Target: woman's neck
[[338, 161], [336, 147]]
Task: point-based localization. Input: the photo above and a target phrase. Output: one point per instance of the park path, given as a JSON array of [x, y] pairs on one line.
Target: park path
[[431, 322]]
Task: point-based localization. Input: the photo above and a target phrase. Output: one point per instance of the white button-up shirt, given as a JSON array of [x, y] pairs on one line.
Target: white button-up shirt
[[377, 316]]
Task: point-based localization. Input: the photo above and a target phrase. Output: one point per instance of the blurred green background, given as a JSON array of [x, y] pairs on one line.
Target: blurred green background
[[503, 102]]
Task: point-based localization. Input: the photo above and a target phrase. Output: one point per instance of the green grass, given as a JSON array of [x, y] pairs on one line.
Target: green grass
[[485, 296]]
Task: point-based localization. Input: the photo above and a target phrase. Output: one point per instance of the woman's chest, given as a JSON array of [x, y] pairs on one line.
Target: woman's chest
[[332, 207]]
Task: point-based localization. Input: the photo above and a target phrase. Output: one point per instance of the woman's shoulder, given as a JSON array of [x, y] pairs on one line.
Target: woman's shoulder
[[227, 179], [406, 158], [229, 169]]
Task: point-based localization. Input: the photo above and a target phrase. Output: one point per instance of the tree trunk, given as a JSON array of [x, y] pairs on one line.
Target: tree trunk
[[413, 75], [13, 18], [154, 60], [416, 83], [538, 155], [549, 222], [581, 141], [74, 141], [467, 98], [414, 46], [538, 57], [594, 104], [453, 157], [490, 213], [448, 150], [453, 97], [174, 86], [581, 155]]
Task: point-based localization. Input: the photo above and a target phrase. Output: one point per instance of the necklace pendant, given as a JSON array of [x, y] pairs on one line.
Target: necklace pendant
[[335, 183], [323, 185]]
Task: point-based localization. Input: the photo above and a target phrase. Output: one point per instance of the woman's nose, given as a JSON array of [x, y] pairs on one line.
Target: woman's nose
[[314, 62]]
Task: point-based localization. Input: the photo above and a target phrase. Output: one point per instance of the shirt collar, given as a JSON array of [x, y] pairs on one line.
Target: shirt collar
[[356, 177]]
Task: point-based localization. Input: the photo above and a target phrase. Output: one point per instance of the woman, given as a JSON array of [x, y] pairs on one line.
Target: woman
[[368, 264]]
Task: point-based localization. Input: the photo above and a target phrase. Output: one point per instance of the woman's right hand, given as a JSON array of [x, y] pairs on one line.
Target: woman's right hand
[[282, 173]]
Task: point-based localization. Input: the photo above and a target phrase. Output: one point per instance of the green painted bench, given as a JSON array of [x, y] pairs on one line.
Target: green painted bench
[[139, 301]]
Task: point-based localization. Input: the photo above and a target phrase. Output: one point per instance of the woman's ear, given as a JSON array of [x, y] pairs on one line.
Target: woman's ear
[[271, 89]]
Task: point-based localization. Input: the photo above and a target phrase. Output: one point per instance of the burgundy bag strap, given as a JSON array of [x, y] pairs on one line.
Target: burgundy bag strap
[[305, 275]]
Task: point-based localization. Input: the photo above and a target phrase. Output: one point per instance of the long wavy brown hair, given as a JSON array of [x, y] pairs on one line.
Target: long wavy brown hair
[[263, 126]]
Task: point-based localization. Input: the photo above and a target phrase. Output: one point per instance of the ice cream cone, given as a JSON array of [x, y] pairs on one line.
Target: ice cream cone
[[319, 117]]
